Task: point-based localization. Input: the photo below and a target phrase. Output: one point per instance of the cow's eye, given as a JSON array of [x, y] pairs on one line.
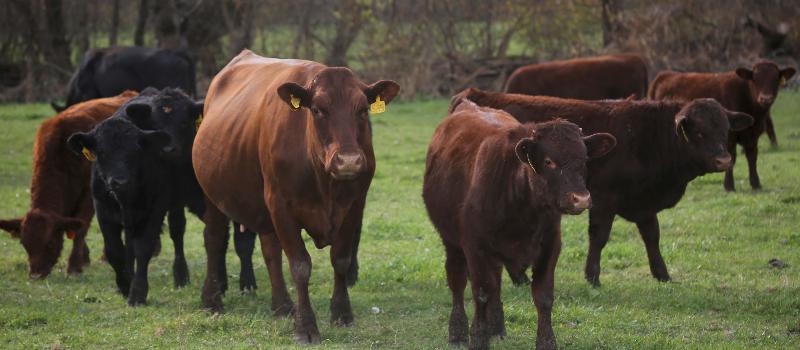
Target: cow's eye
[[549, 163]]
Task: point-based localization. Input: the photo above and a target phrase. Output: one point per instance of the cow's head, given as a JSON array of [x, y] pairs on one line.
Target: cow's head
[[557, 152], [703, 125], [339, 106], [41, 233], [169, 110], [764, 79], [119, 150]]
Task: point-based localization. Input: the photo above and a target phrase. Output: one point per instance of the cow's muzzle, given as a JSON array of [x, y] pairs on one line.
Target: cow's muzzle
[[766, 100], [576, 202], [722, 163], [347, 166]]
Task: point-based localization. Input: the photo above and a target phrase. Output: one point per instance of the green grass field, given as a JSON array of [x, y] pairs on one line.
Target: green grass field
[[717, 245]]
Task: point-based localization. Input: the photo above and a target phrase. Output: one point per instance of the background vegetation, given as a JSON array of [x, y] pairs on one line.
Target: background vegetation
[[431, 47], [717, 245]]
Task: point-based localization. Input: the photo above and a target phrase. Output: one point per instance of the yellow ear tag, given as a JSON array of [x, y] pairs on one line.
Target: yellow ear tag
[[88, 154], [197, 123], [684, 134], [378, 106], [783, 81], [295, 101]]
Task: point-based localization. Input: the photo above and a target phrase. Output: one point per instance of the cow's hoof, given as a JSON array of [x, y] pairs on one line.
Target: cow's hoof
[[594, 280], [180, 274], [305, 337], [343, 320], [282, 308], [247, 284]]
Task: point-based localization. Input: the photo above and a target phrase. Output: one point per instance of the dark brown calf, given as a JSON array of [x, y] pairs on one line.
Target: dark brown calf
[[751, 91], [61, 202], [495, 190], [590, 78], [661, 146], [286, 145]]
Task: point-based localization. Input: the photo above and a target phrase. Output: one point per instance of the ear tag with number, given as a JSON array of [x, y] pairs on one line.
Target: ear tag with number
[[378, 106], [88, 154], [295, 101], [783, 81], [197, 123]]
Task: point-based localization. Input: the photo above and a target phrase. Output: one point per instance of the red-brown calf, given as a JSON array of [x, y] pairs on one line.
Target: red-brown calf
[[495, 190], [751, 91], [60, 198]]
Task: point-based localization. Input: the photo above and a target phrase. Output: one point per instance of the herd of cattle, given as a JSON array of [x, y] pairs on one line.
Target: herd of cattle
[[281, 145]]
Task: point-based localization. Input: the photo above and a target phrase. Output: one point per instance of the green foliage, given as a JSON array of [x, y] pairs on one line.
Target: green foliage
[[716, 245]]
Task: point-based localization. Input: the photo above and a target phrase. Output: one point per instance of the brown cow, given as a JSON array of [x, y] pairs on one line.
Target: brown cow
[[661, 146], [495, 190], [61, 202], [286, 145], [751, 91], [591, 78]]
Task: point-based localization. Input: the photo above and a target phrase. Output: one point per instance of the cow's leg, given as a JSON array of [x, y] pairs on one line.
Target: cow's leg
[[244, 242], [729, 185], [114, 251], [651, 233], [342, 255], [288, 232], [456, 268], [600, 222], [215, 236], [542, 288], [770, 129], [143, 247], [484, 290], [497, 321], [751, 153], [273, 258], [352, 273], [177, 228], [79, 256]]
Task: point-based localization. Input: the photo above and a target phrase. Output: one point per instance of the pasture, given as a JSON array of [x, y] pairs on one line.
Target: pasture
[[717, 246]]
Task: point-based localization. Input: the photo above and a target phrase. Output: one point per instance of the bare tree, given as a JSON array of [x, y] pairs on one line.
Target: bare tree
[[349, 19], [112, 33], [141, 22]]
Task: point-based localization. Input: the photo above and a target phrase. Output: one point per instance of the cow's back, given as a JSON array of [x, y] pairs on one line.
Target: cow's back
[[594, 78], [60, 177], [243, 117]]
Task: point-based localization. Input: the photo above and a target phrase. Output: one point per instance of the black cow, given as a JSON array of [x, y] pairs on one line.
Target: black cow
[[131, 189], [107, 72]]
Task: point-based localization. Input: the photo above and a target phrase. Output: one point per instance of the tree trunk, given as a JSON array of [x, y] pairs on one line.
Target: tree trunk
[[141, 22], [349, 21], [58, 50], [240, 24], [167, 30], [112, 33]]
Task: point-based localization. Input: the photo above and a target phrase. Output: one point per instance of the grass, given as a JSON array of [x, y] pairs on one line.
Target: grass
[[716, 245]]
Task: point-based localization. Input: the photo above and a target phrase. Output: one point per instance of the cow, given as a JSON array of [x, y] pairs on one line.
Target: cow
[[105, 72], [591, 78], [132, 190], [61, 202], [751, 91], [661, 147], [285, 145], [172, 111], [495, 190]]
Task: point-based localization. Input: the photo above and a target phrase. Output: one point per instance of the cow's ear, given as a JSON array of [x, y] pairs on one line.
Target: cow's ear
[[524, 149], [139, 113], [787, 73], [154, 140], [13, 226], [744, 73], [599, 144], [386, 89], [80, 140], [739, 120], [197, 108], [294, 95]]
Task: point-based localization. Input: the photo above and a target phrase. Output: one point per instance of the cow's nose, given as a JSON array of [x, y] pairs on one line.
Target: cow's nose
[[347, 165], [116, 183], [766, 99], [580, 201], [723, 162]]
